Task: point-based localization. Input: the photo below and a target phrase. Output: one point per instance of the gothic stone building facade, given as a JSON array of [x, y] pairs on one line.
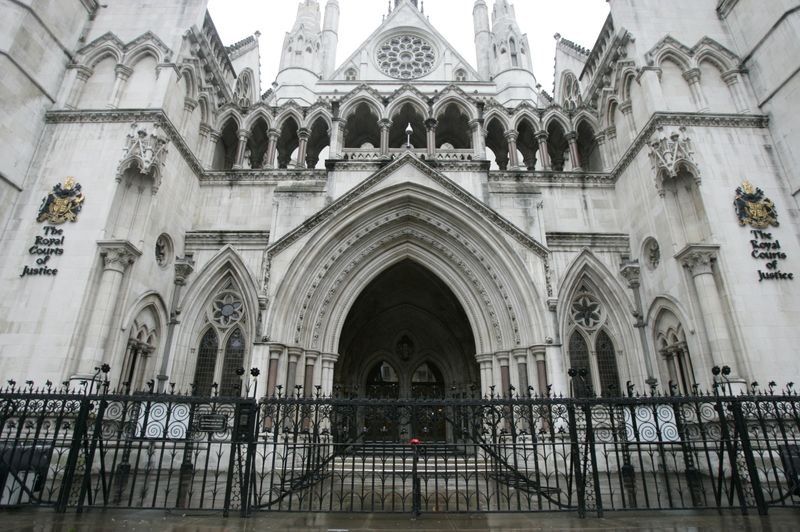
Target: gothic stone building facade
[[399, 222]]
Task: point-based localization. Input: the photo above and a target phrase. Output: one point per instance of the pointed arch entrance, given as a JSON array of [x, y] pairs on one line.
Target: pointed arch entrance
[[406, 337]]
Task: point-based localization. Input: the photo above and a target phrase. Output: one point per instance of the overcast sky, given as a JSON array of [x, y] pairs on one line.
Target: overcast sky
[[577, 20]]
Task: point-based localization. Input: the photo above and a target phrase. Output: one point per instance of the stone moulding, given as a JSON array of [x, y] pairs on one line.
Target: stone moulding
[[618, 242], [214, 240]]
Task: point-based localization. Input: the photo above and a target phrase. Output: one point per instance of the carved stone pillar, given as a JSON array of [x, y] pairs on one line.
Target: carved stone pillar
[[184, 267], [272, 148], [692, 77], [611, 145], [513, 156], [505, 373], [430, 126], [555, 354], [240, 148], [303, 136], [486, 364], [337, 138], [544, 153], [189, 105], [626, 108], [291, 369], [600, 139], [735, 84], [478, 139], [202, 149], [385, 125], [82, 75], [117, 256], [309, 377], [123, 73], [328, 366], [521, 358], [214, 138], [574, 155], [275, 353], [699, 261], [631, 272], [539, 355]]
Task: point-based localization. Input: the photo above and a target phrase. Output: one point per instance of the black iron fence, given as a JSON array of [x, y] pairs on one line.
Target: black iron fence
[[66, 450]]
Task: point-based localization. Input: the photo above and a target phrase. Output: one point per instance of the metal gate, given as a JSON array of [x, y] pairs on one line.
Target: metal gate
[[522, 454]]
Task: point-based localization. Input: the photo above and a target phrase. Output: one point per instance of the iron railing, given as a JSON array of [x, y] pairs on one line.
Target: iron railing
[[66, 449]]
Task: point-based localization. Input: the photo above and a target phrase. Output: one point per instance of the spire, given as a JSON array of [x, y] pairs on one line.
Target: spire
[[302, 46], [330, 38], [510, 47], [483, 38]]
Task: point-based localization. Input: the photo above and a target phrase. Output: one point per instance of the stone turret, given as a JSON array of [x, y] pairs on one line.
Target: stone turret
[[302, 60], [330, 38], [483, 39], [510, 57]]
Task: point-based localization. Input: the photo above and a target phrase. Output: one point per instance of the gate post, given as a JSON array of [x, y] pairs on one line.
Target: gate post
[[576, 459], [747, 449], [72, 458]]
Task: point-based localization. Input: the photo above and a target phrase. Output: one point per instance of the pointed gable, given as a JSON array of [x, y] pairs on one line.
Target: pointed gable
[[405, 47]]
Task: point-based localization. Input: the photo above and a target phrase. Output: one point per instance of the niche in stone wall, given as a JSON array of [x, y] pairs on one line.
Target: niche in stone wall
[[97, 90], [131, 207], [687, 211], [139, 89]]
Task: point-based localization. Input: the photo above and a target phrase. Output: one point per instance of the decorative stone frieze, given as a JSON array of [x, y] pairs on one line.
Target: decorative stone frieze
[[146, 150]]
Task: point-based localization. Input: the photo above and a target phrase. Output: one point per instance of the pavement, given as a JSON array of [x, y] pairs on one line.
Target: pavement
[[46, 520]]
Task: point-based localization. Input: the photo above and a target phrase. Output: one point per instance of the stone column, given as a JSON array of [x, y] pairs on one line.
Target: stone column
[[626, 108], [214, 138], [539, 354], [692, 77], [430, 126], [328, 365], [574, 156], [202, 148], [123, 73], [735, 84], [184, 267], [275, 352], [521, 357], [699, 262], [555, 354], [611, 144], [478, 139], [505, 373], [485, 363], [291, 369], [303, 136], [385, 126], [513, 156], [337, 138], [309, 378], [631, 272], [272, 147], [240, 148], [82, 75], [544, 153], [600, 139], [117, 256], [189, 105]]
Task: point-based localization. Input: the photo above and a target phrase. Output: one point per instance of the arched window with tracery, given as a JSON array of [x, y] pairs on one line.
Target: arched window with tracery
[[206, 362], [224, 325], [591, 347], [571, 92]]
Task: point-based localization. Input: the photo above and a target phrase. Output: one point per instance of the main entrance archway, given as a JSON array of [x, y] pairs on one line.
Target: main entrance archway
[[406, 337]]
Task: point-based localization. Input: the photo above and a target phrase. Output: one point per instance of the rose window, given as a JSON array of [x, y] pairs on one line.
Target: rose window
[[406, 57], [227, 309], [586, 311]]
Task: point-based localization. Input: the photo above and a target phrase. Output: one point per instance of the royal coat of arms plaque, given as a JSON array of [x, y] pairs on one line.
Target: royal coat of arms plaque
[[754, 208], [63, 204]]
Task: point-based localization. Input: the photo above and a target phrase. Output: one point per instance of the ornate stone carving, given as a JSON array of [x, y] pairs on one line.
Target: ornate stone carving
[[586, 311], [698, 260], [406, 57], [669, 153], [184, 267], [631, 272], [652, 253], [63, 204], [145, 150], [118, 255], [754, 208]]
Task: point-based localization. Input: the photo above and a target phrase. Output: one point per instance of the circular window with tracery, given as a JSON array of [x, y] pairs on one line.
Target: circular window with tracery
[[406, 57], [587, 311], [227, 309]]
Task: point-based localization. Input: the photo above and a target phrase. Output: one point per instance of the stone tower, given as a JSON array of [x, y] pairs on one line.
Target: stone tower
[[330, 38], [483, 39]]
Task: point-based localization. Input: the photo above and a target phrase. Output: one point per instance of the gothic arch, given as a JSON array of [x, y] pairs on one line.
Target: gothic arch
[[554, 114], [406, 221], [527, 115], [189, 76], [287, 113], [499, 114], [133, 57], [226, 265], [375, 105], [153, 301], [229, 113], [258, 113], [411, 98], [587, 269], [316, 114], [463, 104]]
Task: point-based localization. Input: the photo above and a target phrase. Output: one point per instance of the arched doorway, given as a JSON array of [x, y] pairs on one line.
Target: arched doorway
[[407, 337]]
